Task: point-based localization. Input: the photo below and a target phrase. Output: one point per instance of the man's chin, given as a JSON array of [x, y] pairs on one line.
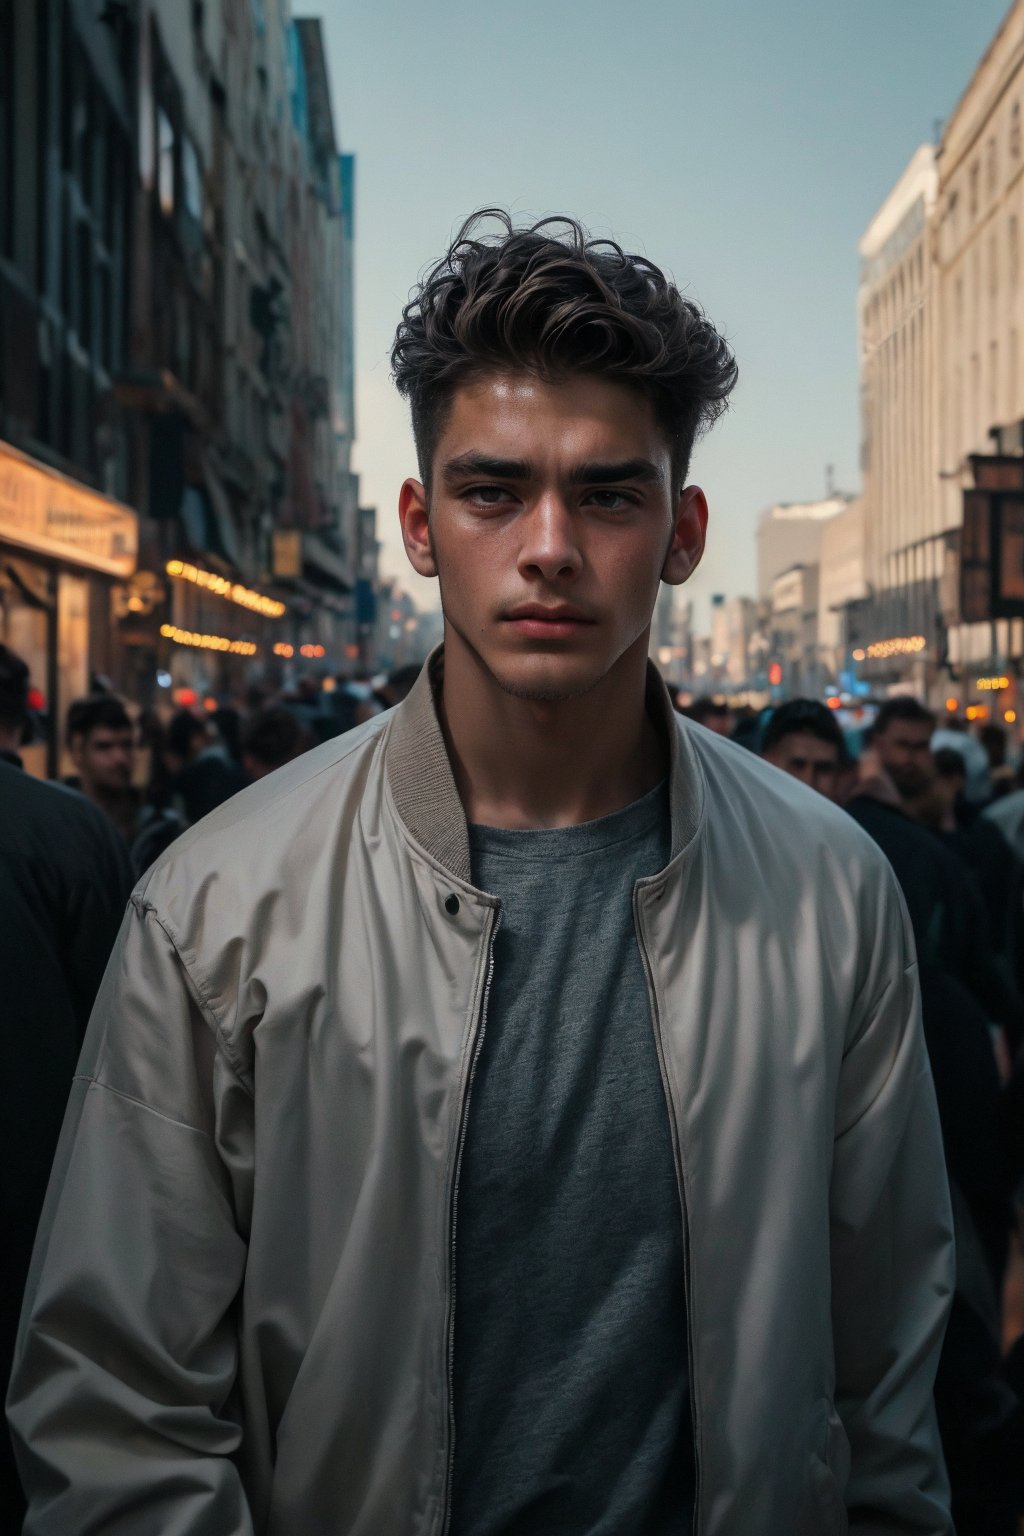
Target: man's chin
[[548, 683]]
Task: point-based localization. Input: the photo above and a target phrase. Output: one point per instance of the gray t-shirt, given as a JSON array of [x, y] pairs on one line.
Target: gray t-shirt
[[571, 1387]]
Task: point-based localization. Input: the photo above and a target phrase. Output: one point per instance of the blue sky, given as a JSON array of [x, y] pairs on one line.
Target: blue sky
[[742, 144]]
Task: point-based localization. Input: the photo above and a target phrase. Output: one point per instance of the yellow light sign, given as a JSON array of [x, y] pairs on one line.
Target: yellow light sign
[[899, 645], [1010, 716], [209, 581], [207, 642], [952, 705], [283, 649], [992, 684]]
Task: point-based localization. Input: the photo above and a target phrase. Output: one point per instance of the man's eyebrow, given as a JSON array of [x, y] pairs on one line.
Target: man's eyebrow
[[490, 468], [601, 473], [598, 472]]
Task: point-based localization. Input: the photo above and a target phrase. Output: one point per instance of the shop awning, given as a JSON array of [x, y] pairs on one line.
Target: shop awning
[[52, 515]]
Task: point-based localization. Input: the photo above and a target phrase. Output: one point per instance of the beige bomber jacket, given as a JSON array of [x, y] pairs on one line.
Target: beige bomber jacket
[[239, 1318]]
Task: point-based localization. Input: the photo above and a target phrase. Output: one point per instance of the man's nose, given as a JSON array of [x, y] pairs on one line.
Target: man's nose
[[550, 544]]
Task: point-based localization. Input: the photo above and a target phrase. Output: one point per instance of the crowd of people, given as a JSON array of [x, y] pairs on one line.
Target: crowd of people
[[946, 806]]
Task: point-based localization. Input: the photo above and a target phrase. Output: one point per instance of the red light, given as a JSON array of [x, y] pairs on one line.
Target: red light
[[775, 674], [186, 697], [36, 700], [835, 702]]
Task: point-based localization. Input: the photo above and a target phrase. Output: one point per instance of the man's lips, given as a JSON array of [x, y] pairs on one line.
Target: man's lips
[[541, 622]]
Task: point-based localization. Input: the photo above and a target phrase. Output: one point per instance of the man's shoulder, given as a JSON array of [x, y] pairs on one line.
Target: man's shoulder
[[28, 803], [753, 801], [277, 818]]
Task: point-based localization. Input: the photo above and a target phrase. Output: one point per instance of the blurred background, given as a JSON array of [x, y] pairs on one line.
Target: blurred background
[[212, 211]]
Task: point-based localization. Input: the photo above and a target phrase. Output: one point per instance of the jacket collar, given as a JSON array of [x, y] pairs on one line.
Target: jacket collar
[[423, 786]]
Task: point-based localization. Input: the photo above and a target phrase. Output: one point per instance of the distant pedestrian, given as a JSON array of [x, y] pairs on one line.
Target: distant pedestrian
[[101, 741], [272, 737], [64, 881], [203, 774], [804, 739]]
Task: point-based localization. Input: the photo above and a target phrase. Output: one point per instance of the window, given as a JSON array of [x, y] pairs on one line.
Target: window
[[1012, 382], [1015, 132], [993, 267], [6, 130], [992, 166], [993, 382], [1013, 249], [973, 188], [191, 181], [165, 147]]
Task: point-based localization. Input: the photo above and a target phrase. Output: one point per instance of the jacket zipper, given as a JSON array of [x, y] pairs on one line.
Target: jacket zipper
[[463, 1127], [678, 1160]]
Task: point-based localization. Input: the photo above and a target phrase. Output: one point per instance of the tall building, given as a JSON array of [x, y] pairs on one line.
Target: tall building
[[789, 534], [904, 543], [842, 588], [177, 503], [979, 218], [68, 542]]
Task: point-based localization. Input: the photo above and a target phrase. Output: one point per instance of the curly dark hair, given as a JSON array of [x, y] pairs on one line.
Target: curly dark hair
[[551, 301]]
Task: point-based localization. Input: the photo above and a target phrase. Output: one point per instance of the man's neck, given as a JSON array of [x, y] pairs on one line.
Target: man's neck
[[521, 763]]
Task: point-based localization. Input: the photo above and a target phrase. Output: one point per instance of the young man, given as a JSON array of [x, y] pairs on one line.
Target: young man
[[803, 739], [101, 741], [512, 1117]]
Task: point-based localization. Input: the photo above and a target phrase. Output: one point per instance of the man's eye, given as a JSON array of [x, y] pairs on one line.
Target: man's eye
[[488, 495], [610, 501]]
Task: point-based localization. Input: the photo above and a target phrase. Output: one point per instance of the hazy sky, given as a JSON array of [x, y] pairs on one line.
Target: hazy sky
[[742, 144]]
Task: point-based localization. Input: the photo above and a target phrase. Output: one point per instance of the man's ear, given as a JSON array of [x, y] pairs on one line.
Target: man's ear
[[687, 547], [414, 516]]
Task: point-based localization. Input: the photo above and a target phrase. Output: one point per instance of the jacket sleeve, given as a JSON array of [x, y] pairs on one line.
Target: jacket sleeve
[[122, 1401], [892, 1249]]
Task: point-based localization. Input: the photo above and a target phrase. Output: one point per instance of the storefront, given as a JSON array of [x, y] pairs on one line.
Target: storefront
[[65, 551], [217, 634]]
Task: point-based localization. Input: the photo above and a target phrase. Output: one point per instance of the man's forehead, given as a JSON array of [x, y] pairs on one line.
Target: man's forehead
[[585, 415]]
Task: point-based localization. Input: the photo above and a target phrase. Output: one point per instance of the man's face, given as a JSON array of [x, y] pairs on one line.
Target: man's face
[[104, 758], [904, 751], [552, 520], [806, 757]]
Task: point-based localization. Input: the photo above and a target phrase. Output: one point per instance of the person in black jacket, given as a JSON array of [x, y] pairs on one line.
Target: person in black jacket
[[65, 878]]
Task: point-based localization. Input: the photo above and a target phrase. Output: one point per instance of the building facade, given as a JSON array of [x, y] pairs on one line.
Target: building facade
[[177, 505], [904, 540], [789, 534], [68, 541], [977, 246]]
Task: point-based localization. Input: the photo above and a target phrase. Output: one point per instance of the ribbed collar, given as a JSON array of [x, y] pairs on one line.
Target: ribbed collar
[[423, 785]]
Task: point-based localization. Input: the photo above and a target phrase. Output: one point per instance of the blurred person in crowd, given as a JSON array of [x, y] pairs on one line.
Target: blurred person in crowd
[[713, 713], [227, 722], [746, 731], [981, 846], [203, 775], [995, 741], [270, 738], [398, 685], [1007, 813], [803, 738], [64, 882], [899, 800], [980, 1416], [386, 1043], [900, 746], [101, 742], [954, 732]]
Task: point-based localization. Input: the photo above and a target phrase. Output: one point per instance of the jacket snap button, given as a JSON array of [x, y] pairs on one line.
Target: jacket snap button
[[451, 904]]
